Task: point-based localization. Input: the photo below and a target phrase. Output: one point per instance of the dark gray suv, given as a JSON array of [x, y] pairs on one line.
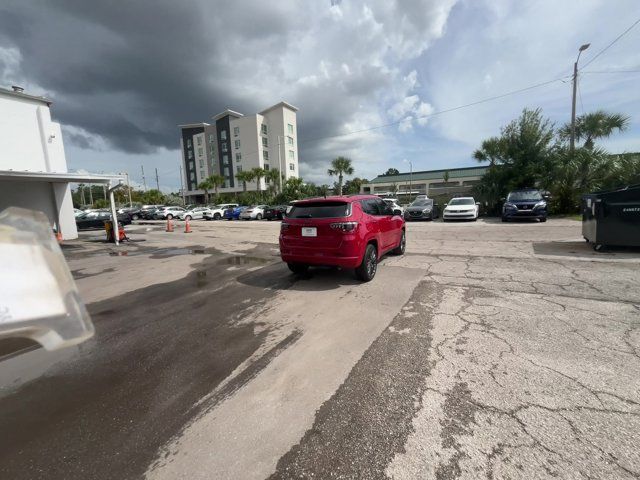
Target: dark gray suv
[[525, 203]]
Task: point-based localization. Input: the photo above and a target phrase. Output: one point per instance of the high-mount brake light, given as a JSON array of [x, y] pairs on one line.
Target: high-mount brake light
[[345, 227]]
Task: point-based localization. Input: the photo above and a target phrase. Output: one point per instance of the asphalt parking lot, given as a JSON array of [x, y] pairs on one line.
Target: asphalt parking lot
[[488, 350]]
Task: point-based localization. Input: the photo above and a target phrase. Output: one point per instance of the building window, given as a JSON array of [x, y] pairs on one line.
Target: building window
[[199, 140], [188, 143], [211, 138], [225, 159], [290, 140], [201, 163], [192, 176], [265, 154], [223, 135], [189, 154], [266, 167], [192, 166], [226, 171], [200, 151], [292, 155], [292, 166], [265, 142], [238, 157], [201, 173], [212, 151], [238, 168], [224, 147], [237, 144], [290, 128], [236, 131], [263, 129]]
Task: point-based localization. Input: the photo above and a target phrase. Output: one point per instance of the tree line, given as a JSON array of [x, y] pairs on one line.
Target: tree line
[[532, 152]]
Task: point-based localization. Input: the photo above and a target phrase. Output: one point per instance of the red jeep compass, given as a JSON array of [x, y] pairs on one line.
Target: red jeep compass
[[348, 232]]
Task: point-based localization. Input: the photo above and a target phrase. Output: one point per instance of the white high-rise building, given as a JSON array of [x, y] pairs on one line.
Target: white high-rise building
[[234, 142]]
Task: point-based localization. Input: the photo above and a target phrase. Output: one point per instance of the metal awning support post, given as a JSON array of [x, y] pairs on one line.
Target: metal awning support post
[[114, 216]]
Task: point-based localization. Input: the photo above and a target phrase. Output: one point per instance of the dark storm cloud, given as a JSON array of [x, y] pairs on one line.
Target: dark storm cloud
[[128, 73]]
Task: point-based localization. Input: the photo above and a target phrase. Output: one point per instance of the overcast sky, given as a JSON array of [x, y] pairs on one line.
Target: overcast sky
[[123, 77]]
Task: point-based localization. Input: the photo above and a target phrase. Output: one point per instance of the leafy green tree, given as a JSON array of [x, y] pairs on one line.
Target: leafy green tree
[[353, 186], [153, 197], [293, 188], [445, 176], [340, 167], [392, 171], [272, 177]]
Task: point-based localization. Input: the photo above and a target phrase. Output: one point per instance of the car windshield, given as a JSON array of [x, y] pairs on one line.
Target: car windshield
[[525, 196], [462, 201], [422, 202], [319, 210]]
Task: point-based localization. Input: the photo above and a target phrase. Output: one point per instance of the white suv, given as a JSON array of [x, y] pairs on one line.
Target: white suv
[[217, 211], [196, 213], [168, 213]]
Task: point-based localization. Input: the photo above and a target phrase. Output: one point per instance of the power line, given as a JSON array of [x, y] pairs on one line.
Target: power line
[[613, 71], [440, 112], [611, 44]]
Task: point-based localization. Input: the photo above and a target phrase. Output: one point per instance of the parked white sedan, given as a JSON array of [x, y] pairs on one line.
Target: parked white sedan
[[461, 208], [217, 211], [255, 212], [193, 214]]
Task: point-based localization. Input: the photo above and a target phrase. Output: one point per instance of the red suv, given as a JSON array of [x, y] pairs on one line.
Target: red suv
[[348, 232]]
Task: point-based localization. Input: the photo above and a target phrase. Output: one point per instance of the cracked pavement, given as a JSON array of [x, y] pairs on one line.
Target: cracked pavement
[[489, 350]]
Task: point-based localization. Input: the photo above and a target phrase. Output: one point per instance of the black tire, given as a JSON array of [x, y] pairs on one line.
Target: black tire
[[259, 216], [543, 219], [505, 219], [217, 216], [399, 250], [367, 269], [135, 217], [298, 268], [169, 217], [188, 217]]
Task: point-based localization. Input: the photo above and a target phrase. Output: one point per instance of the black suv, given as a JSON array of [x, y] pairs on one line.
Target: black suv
[[525, 203]]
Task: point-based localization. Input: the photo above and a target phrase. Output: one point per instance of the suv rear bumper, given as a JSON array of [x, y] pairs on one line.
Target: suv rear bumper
[[346, 256]]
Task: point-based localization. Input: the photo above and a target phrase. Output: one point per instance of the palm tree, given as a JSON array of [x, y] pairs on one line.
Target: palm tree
[[595, 125], [339, 167], [206, 185], [258, 175], [244, 177], [272, 177], [216, 181]]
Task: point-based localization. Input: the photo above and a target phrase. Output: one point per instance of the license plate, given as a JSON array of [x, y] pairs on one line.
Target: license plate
[[309, 232]]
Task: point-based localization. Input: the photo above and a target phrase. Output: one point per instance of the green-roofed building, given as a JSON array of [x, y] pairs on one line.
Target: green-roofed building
[[428, 182]]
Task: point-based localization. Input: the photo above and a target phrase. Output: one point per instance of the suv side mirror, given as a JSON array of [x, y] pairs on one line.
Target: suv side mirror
[[478, 203], [446, 204], [397, 212]]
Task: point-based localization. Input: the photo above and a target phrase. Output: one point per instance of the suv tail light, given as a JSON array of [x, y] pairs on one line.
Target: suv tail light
[[284, 227], [345, 227]]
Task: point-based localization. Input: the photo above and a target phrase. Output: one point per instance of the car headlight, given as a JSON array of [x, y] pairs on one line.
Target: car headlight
[[509, 205], [427, 210], [541, 204]]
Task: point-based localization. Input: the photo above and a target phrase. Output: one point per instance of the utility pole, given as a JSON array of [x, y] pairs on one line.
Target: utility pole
[[572, 140], [144, 180], [280, 165], [157, 181], [91, 194], [182, 185], [82, 194], [410, 177]]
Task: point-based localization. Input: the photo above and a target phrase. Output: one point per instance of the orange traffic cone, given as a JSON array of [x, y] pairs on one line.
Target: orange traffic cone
[[187, 226], [169, 225], [59, 237]]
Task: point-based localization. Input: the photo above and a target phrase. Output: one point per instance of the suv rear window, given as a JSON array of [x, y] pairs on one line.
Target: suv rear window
[[319, 210]]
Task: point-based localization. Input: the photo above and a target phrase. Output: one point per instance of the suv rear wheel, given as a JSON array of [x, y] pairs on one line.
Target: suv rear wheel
[[169, 217], [188, 217], [217, 216], [298, 268], [259, 216], [399, 250], [367, 269]]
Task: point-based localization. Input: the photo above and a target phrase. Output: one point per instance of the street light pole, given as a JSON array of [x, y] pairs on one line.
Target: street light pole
[[280, 164], [572, 139], [410, 177]]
